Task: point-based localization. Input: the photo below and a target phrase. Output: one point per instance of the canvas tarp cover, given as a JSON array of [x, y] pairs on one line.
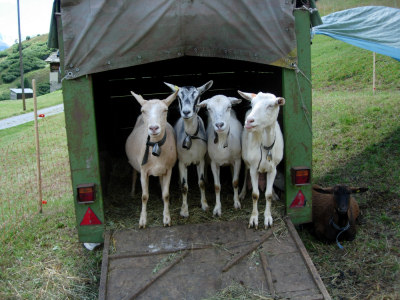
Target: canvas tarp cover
[[102, 35], [375, 28]]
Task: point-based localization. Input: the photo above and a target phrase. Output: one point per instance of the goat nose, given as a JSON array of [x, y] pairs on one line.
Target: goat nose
[[250, 120], [186, 112], [154, 127], [219, 125]]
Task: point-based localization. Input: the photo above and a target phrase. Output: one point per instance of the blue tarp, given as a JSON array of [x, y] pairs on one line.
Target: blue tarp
[[375, 28]]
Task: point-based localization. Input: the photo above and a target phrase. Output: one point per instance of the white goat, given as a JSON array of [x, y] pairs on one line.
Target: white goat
[[224, 148], [191, 140], [151, 150], [262, 150]]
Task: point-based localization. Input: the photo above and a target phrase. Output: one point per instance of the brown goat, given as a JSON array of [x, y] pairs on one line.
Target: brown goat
[[334, 212]]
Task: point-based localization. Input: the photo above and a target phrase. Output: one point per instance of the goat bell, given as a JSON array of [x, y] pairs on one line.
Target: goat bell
[[187, 143], [156, 150]]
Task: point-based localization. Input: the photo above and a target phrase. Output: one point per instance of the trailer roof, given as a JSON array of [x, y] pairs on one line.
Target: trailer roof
[[100, 35]]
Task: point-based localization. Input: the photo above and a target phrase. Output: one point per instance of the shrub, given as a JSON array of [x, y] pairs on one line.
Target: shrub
[[5, 96], [43, 88], [8, 78]]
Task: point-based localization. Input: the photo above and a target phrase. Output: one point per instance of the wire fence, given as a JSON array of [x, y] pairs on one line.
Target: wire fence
[[19, 189]]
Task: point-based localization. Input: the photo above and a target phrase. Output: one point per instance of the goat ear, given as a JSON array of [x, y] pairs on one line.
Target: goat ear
[[323, 190], [172, 86], [139, 98], [202, 103], [234, 100], [171, 98], [205, 87], [247, 96], [280, 101], [356, 190]]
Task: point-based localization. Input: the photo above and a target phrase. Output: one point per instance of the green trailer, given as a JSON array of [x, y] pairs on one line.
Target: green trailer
[[108, 48]]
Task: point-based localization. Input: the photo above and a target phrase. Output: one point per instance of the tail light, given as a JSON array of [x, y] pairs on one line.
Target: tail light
[[86, 193], [300, 175]]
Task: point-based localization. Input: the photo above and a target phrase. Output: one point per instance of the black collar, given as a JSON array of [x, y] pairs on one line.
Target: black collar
[[269, 154], [187, 142], [156, 147], [269, 148]]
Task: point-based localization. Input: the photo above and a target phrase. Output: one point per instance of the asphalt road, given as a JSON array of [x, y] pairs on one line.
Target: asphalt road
[[28, 117]]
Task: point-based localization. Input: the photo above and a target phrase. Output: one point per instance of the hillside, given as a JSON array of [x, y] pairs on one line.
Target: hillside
[[34, 53]]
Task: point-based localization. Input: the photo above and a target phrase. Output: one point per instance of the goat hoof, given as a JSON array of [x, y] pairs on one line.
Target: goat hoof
[[268, 222], [204, 207], [217, 212], [253, 222], [184, 214]]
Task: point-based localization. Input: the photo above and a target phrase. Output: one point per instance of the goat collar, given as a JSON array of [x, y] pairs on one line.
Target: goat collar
[[341, 229], [187, 142], [156, 148], [269, 154], [268, 149], [216, 138]]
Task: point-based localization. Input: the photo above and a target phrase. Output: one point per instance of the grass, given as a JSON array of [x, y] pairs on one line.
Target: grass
[[356, 141], [43, 260], [9, 108], [326, 7]]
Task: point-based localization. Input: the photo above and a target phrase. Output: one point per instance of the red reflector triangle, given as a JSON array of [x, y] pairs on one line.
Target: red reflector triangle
[[90, 218], [299, 200]]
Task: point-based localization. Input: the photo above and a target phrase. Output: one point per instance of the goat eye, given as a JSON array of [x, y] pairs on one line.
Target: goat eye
[[228, 108]]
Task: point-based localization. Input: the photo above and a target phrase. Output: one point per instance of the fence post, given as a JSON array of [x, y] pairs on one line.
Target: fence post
[[373, 73], [39, 174]]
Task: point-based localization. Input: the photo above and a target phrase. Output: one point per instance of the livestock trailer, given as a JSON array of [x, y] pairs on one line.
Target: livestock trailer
[[109, 48]]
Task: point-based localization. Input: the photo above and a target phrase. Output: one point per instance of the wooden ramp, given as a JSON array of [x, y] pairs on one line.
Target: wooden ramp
[[196, 261]]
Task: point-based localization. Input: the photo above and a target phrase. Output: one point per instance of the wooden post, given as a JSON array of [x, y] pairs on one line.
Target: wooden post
[[39, 173], [373, 73]]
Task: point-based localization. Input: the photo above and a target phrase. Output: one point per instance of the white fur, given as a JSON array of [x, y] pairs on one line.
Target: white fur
[[261, 130], [222, 120]]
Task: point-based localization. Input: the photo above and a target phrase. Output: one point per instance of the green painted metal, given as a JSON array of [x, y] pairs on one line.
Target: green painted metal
[[82, 147], [297, 119], [83, 153]]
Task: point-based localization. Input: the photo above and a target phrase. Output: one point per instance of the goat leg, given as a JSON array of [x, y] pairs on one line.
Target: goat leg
[[184, 186], [165, 182], [144, 180], [268, 197], [255, 195], [235, 183], [200, 176], [217, 185]]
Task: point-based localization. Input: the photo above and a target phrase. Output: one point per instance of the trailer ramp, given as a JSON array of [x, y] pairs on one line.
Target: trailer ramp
[[196, 261]]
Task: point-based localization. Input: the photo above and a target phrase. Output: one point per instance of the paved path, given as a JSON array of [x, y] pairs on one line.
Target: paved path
[[28, 117]]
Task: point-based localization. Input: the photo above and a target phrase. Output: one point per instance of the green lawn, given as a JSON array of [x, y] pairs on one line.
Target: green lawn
[[9, 108]]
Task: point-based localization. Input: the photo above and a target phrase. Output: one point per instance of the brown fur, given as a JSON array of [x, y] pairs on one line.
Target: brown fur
[[324, 208]]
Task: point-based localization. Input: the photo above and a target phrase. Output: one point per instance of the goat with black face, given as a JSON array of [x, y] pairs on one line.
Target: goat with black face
[[191, 140], [334, 212]]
